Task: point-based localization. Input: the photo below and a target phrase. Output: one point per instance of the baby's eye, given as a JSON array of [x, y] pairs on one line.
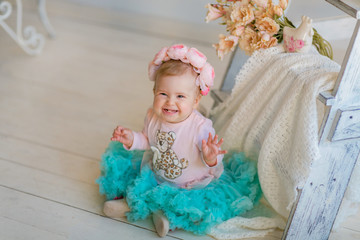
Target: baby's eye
[[163, 94], [181, 96]]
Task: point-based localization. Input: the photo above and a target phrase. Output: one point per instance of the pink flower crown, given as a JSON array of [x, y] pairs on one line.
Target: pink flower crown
[[205, 79]]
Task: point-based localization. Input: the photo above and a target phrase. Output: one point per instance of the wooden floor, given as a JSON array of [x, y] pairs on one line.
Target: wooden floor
[[58, 110]]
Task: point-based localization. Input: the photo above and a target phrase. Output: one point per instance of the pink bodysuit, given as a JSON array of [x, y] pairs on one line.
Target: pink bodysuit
[[177, 154]]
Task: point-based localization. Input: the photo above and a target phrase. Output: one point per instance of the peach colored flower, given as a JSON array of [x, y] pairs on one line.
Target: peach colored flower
[[267, 25], [215, 12], [266, 42], [238, 30], [248, 40], [261, 3], [225, 45], [283, 4], [244, 44], [278, 10], [260, 13], [241, 2], [250, 23], [265, 36], [270, 10], [242, 14]]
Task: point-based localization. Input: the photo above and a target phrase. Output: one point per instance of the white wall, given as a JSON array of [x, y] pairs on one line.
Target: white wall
[[195, 11]]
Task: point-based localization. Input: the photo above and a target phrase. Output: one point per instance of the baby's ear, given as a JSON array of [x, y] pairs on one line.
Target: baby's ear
[[197, 101]]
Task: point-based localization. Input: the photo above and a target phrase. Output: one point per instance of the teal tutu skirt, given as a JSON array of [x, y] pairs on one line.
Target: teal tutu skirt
[[194, 210]]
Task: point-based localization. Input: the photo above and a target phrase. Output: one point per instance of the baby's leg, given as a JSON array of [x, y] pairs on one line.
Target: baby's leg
[[116, 208], [161, 224]]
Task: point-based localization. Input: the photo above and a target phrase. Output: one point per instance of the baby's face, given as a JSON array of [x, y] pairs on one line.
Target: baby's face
[[175, 97]]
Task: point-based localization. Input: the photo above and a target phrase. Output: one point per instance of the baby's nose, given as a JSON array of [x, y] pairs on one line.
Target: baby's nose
[[171, 100]]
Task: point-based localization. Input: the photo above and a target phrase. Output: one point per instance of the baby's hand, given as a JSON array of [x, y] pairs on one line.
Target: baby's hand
[[123, 135], [211, 149]]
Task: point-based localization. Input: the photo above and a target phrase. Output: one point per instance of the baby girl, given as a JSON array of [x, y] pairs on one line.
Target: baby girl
[[186, 156]]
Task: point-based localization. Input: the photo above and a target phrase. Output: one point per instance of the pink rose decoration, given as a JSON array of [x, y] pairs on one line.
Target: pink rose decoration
[[205, 92], [203, 88], [196, 58], [161, 56], [205, 80], [299, 44], [207, 75], [178, 52], [293, 45], [152, 68]]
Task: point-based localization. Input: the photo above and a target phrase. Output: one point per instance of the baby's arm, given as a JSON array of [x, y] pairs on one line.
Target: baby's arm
[[211, 149], [123, 135]]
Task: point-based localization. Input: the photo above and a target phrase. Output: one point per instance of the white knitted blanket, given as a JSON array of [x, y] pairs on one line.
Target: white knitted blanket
[[272, 115]]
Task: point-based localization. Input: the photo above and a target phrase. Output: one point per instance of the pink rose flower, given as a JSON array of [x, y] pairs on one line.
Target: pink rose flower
[[152, 68], [161, 56], [207, 75], [205, 92], [177, 52], [196, 58], [299, 44]]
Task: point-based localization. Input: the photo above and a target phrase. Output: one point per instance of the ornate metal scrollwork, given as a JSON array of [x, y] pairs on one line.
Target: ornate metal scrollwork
[[28, 38]]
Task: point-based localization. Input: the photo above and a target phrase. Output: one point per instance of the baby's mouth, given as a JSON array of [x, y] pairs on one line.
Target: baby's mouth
[[169, 111]]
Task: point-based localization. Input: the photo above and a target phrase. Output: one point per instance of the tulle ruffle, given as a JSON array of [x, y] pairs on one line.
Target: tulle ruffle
[[195, 210]]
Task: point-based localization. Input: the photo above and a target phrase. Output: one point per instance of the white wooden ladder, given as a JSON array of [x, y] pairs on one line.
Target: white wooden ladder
[[314, 213], [318, 202]]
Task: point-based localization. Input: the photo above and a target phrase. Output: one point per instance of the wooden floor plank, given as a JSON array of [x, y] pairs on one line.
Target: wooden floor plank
[[9, 229], [65, 191], [49, 220], [47, 159], [49, 186]]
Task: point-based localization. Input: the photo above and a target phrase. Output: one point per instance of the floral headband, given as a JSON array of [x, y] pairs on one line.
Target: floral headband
[[205, 79]]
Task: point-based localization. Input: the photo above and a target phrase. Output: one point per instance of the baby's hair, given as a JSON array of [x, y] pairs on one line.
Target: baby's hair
[[173, 68]]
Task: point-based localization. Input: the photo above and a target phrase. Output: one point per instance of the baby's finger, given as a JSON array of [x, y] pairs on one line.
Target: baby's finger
[[115, 138], [215, 139], [118, 130], [220, 142], [203, 145], [223, 152], [209, 138]]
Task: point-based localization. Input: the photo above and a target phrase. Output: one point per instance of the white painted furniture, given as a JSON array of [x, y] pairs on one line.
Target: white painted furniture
[[28, 39], [315, 210]]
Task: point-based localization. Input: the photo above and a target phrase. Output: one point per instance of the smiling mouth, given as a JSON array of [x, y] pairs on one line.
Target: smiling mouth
[[169, 111]]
